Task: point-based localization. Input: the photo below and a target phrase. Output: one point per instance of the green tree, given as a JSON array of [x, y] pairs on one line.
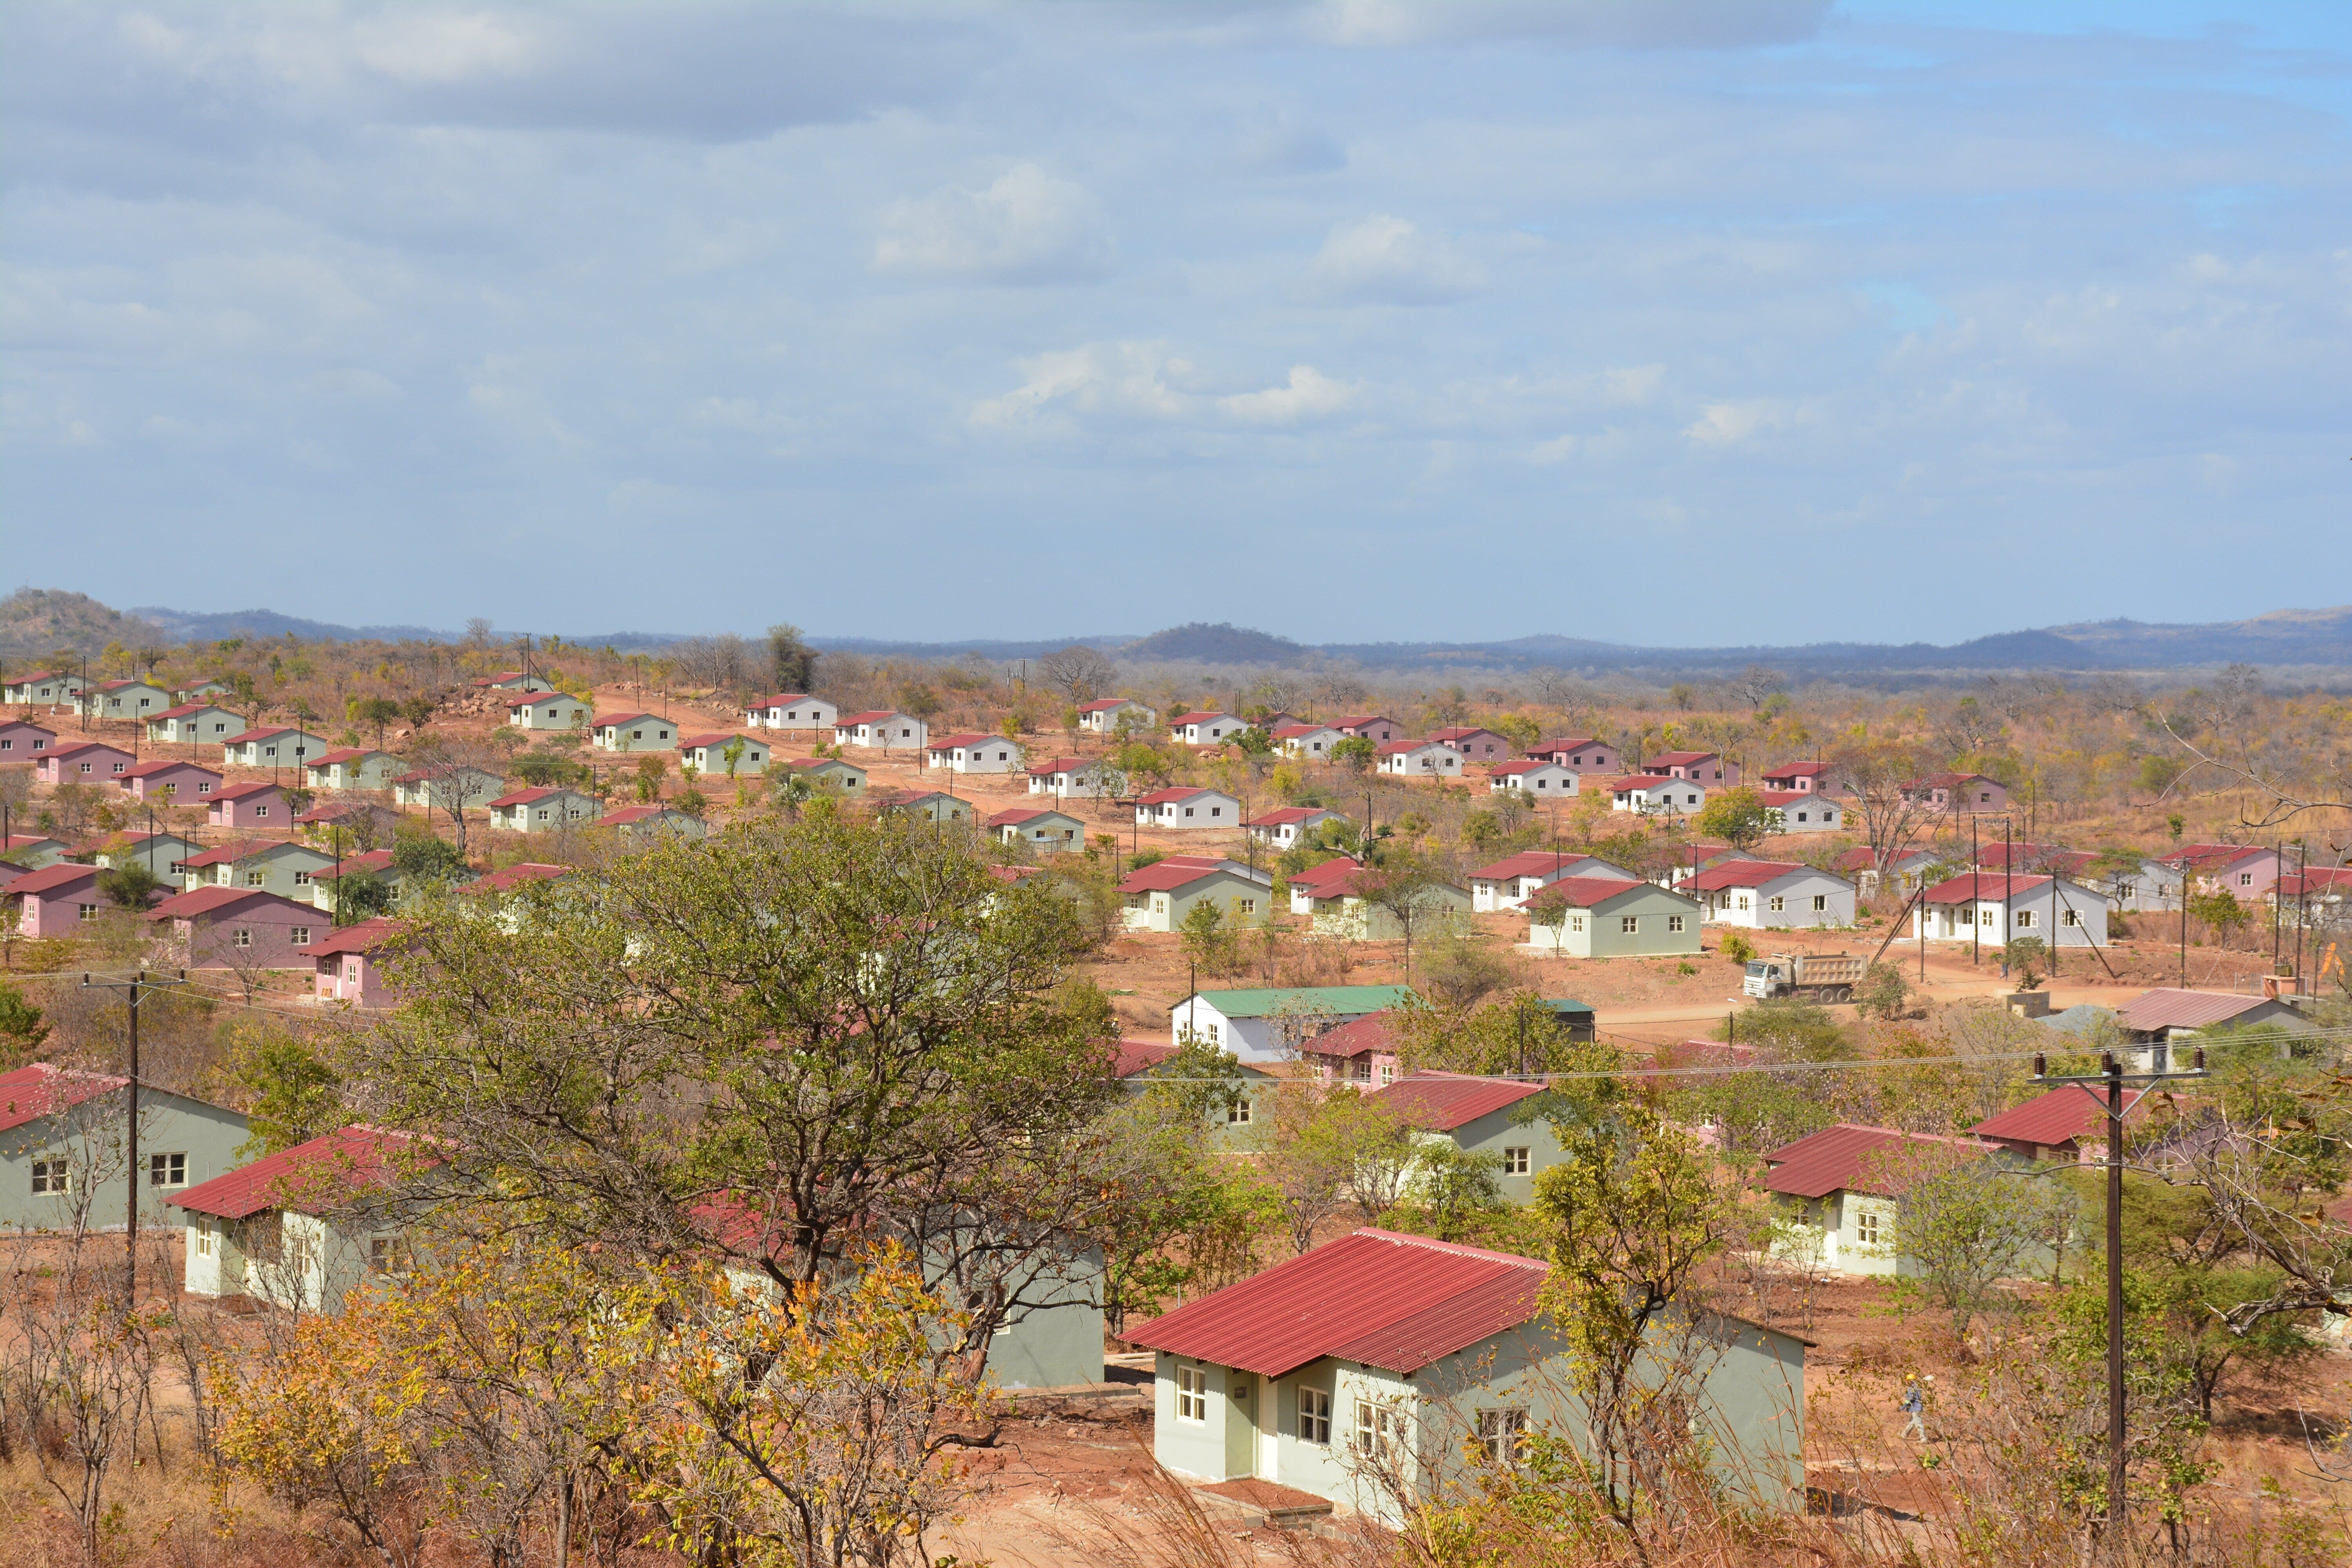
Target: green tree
[[650, 770], [380, 712], [360, 895], [426, 859], [1356, 753], [2026, 956], [1456, 1187], [1634, 1214], [1739, 816], [540, 769], [417, 710], [1883, 989], [1208, 940], [129, 886], [1967, 1222], [2220, 912], [791, 661], [22, 1028], [292, 1095]]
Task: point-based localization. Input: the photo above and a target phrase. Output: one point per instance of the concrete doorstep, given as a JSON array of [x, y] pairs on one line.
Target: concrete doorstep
[[1262, 1504]]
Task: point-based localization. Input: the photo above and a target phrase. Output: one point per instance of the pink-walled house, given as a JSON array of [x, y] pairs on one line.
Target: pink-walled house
[[21, 741], [83, 761], [55, 901], [1374, 727], [239, 928], [1802, 778], [1474, 744], [1580, 753], [351, 963], [250, 805], [170, 783], [1958, 792], [1708, 768]]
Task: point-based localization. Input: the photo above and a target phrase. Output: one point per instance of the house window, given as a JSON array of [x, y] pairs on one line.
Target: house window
[[52, 1178], [1237, 1114], [2025, 919], [1515, 1162], [2127, 890], [1188, 811], [203, 1236], [1246, 906], [1743, 901], [1576, 922], [1376, 1427], [1865, 1226], [256, 878], [1500, 1432], [1192, 1394], [167, 1170], [301, 879], [1673, 922], [2071, 918], [388, 1253], [2245, 879], [1821, 903], [300, 936], [1778, 904], [204, 787], [241, 937], [86, 911], [1315, 1416], [1629, 923], [352, 969], [1213, 811], [1387, 1072]]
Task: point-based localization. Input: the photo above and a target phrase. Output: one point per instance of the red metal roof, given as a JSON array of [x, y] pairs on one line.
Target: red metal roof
[[1642, 780], [1574, 744], [1375, 1297], [1160, 877], [2203, 857], [718, 739], [628, 815], [1441, 1101], [1398, 748], [74, 748], [1104, 704], [1358, 1036], [1975, 886], [2070, 1111], [1139, 1056], [1798, 769], [2167, 1008], [1293, 732], [368, 936], [2318, 879], [51, 878], [345, 754], [211, 901], [150, 770], [1357, 720], [1741, 874], [611, 720], [1681, 759], [1531, 863], [1289, 814], [1200, 716], [1329, 871], [532, 795], [241, 849], [1164, 797], [1836, 1159], [1524, 765], [1056, 766], [308, 1178], [1860, 859], [1461, 732], [353, 865], [41, 1089], [244, 791], [1587, 892], [1020, 814]]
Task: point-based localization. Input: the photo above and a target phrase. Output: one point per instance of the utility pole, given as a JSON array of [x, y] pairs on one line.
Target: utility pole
[[134, 990], [2113, 1077], [1976, 944], [2184, 920]]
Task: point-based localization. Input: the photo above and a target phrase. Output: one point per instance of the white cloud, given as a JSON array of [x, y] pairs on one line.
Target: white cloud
[[1389, 261], [1307, 395], [1140, 383], [1027, 226], [1636, 24], [1739, 423]]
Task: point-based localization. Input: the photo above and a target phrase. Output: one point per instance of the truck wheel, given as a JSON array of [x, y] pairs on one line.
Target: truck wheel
[[1843, 993]]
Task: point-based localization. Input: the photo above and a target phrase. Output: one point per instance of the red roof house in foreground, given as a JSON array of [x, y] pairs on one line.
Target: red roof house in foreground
[[302, 1226], [1386, 1347]]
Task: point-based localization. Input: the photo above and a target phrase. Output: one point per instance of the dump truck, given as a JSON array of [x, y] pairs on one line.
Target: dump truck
[[1815, 976]]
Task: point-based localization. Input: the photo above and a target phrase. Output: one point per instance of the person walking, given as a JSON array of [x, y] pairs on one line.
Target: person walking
[[1915, 1405]]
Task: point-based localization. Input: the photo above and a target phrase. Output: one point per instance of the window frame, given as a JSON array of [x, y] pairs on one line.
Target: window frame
[[1192, 1394]]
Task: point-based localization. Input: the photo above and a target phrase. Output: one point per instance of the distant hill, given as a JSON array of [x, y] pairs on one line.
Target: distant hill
[[182, 626], [37, 622], [1199, 642]]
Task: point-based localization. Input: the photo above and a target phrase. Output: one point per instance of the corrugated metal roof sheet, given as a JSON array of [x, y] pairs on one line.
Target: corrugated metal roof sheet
[[1376, 1297], [1587, 892], [1372, 1032], [2167, 1008], [1837, 1158], [1743, 874], [2067, 1112], [1977, 886], [1441, 1101], [1340, 1001], [308, 1178], [32, 1092], [49, 878]]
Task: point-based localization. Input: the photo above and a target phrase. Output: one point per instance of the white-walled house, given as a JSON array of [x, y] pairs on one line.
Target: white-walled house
[[1841, 1188], [544, 809], [880, 729], [791, 711], [1260, 1025], [1992, 907], [1039, 828], [1510, 882], [973, 754], [547, 711], [1104, 715], [1186, 807], [279, 746], [1533, 777], [633, 732], [1204, 727], [1160, 896], [1308, 883], [352, 767], [1290, 823], [1385, 1353], [303, 1228], [707, 755], [196, 722], [1312, 742], [1074, 778], [1802, 811], [1606, 917], [1771, 894], [53, 688], [1656, 795], [1420, 759]]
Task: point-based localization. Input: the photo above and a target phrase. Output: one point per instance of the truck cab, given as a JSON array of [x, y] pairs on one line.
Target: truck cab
[[1766, 978]]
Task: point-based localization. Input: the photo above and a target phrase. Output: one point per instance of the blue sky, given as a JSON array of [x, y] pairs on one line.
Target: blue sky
[[1678, 322]]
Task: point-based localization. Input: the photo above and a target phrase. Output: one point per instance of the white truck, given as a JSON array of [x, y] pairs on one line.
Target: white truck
[[1815, 976]]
